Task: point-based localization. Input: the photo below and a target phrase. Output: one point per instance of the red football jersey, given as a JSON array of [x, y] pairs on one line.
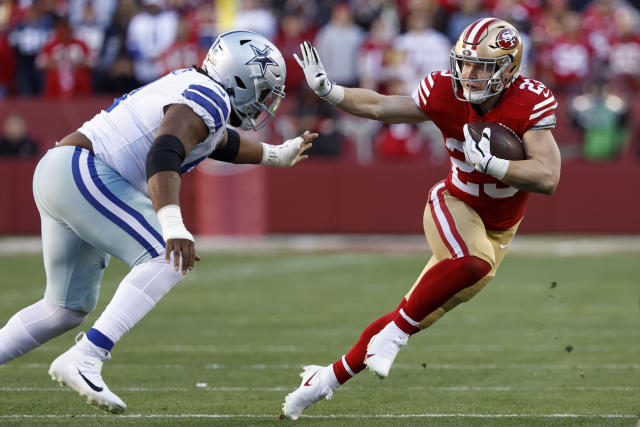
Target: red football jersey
[[526, 104]]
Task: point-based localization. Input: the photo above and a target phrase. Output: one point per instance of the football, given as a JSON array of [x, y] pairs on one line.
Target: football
[[504, 143]]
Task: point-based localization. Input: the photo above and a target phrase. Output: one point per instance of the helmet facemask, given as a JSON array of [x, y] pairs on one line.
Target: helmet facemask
[[256, 114], [492, 82]]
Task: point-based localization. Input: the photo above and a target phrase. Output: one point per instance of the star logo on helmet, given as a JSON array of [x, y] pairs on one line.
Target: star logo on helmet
[[261, 58]]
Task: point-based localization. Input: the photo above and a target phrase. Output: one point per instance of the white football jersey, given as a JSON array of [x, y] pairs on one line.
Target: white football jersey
[[122, 134]]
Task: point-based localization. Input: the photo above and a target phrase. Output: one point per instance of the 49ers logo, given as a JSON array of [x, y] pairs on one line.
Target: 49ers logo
[[507, 39]]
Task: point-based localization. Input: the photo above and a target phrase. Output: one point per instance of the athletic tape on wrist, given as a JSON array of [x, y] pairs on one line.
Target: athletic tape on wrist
[[335, 94], [497, 167], [170, 219]]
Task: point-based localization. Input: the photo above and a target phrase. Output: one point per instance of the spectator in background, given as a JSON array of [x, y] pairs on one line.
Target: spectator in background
[[7, 70], [102, 12], [371, 57], [568, 58], [338, 43], [314, 112], [602, 116], [398, 140], [427, 50], [624, 55], [28, 38], [469, 12], [292, 34], [184, 52], [113, 72], [91, 31], [14, 141], [597, 20], [254, 16], [149, 35], [10, 14], [66, 62]]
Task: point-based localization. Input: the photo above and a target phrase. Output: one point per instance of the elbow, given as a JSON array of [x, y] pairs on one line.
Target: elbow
[[550, 184]]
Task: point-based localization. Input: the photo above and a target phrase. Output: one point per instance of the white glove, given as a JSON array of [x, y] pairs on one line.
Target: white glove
[[284, 155], [478, 153], [316, 76]]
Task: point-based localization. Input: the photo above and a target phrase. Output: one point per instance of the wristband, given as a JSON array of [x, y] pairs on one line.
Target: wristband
[[170, 220], [497, 167], [335, 94]]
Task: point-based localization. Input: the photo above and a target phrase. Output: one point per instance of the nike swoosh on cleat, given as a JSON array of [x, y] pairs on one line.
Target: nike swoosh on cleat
[[307, 383], [369, 355], [89, 383]]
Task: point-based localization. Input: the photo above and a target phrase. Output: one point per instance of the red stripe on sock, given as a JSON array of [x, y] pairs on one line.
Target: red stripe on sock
[[355, 356], [404, 325], [341, 372]]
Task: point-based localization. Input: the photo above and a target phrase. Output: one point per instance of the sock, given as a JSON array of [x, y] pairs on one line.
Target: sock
[[33, 326], [441, 282], [353, 362], [99, 339], [137, 294]]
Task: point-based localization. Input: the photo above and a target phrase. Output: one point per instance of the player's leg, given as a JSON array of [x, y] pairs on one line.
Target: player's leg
[[73, 269], [109, 214], [462, 256], [500, 240], [319, 382]]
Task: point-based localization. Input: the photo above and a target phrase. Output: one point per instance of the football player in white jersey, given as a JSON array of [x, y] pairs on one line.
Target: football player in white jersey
[[112, 188]]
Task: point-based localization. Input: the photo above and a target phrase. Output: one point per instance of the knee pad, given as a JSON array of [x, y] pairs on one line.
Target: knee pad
[[45, 320]]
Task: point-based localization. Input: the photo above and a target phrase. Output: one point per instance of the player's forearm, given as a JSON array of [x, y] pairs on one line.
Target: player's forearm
[[384, 108], [249, 152], [164, 189], [362, 103], [531, 175]]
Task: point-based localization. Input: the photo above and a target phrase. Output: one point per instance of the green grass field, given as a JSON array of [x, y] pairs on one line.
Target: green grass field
[[525, 352]]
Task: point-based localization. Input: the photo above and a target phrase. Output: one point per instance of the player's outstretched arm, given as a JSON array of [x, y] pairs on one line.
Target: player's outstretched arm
[[235, 148], [357, 101], [180, 130]]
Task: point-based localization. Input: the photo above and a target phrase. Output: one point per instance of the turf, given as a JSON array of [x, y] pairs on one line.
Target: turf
[[553, 341]]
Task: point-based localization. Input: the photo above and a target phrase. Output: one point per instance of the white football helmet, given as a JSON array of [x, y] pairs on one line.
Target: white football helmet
[[252, 71], [496, 47]]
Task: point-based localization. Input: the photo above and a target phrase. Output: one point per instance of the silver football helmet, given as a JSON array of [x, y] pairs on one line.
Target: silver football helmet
[[252, 71]]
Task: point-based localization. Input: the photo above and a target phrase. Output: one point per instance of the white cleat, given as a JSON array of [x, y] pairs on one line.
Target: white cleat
[[318, 382], [383, 349], [79, 368]]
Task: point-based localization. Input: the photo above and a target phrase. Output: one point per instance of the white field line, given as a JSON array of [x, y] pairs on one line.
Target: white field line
[[434, 366], [251, 349], [289, 388], [528, 244], [334, 416]]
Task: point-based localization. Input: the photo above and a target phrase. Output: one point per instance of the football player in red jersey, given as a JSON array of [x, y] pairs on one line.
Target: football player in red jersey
[[472, 215]]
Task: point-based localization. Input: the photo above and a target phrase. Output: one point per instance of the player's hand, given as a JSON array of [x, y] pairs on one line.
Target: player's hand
[[289, 152], [313, 69], [477, 153], [184, 254]]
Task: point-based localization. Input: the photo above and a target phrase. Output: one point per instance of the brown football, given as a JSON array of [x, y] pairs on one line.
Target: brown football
[[504, 143]]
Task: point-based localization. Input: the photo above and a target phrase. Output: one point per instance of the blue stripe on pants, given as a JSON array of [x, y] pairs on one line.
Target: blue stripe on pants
[[103, 210]]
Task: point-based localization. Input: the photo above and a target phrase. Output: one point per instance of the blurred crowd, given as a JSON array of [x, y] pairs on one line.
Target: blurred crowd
[[68, 48]]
